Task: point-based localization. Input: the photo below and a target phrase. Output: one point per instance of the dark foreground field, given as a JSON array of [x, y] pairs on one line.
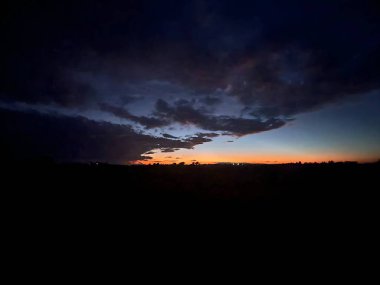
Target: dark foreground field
[[74, 207], [344, 189]]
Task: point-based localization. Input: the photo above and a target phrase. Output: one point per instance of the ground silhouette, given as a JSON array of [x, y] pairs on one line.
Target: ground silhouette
[[272, 188], [176, 205]]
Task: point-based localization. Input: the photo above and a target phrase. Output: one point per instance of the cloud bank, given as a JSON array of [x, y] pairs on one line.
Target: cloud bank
[[229, 67], [29, 135]]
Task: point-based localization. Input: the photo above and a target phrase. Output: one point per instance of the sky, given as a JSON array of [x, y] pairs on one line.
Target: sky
[[209, 81]]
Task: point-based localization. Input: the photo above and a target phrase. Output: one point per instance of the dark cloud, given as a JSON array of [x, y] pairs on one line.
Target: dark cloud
[[211, 100], [169, 136], [273, 59], [190, 142], [199, 140], [169, 149], [201, 46], [208, 135], [145, 157], [31, 135], [148, 122], [289, 81], [186, 114]]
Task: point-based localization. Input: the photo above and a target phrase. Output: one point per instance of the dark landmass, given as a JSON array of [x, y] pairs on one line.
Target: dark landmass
[[339, 188], [76, 207]]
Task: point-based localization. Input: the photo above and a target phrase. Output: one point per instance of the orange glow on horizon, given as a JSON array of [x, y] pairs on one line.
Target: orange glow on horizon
[[187, 158]]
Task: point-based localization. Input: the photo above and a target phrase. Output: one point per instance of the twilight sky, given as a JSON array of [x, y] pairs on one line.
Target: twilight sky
[[211, 81]]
